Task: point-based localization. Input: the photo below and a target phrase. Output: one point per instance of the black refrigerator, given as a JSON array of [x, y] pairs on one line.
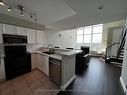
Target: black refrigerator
[[17, 60]]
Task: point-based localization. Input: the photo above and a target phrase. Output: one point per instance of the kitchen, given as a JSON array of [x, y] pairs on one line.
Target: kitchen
[[57, 47], [53, 62]]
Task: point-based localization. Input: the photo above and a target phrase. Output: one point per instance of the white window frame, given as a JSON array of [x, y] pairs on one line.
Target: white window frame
[[83, 28]]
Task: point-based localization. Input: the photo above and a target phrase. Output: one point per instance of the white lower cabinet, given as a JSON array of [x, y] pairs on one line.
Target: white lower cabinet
[[2, 70], [34, 60], [41, 62], [45, 64]]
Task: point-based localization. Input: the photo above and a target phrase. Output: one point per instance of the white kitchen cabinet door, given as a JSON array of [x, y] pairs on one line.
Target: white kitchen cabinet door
[[40, 62], [1, 29], [40, 36], [1, 39], [2, 69], [1, 32], [43, 63], [9, 29], [46, 65], [34, 60], [21, 31], [31, 34]]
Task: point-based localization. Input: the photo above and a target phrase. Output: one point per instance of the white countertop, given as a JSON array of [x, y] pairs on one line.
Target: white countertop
[[55, 56], [71, 52], [58, 56]]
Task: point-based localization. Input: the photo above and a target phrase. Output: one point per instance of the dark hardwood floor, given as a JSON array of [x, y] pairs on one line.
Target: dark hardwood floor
[[97, 79]]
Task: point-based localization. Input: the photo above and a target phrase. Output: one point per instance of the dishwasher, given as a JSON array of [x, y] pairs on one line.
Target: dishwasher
[[55, 70]]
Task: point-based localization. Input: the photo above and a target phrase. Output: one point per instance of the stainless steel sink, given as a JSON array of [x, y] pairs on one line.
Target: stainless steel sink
[[48, 52]]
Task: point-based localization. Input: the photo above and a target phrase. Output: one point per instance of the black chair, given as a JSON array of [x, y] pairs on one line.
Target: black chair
[[85, 49], [82, 59]]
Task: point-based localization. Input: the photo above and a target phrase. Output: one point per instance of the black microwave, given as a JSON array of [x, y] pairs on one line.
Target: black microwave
[[7, 38]]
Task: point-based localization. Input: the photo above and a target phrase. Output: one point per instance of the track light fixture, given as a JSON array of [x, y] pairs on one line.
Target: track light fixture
[[22, 9], [1, 2], [9, 9]]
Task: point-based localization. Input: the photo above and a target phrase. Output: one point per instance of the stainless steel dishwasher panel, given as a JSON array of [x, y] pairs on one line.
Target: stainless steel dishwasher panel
[[55, 70]]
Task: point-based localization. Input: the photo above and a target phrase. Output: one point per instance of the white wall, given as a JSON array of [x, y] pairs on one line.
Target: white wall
[[62, 39], [116, 33], [107, 32], [68, 37]]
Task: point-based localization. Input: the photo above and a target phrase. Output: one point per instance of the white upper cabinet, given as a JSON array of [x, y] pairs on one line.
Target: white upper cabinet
[[22, 31], [34, 60], [9, 29], [31, 34], [1, 39], [1, 29], [40, 36]]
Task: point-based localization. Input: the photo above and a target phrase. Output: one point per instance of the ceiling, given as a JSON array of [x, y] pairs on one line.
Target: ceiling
[[67, 14]]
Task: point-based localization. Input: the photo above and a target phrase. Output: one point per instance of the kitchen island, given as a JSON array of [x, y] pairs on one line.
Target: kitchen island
[[67, 65]]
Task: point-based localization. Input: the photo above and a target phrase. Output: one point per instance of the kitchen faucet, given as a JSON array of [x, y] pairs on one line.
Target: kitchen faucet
[[50, 46]]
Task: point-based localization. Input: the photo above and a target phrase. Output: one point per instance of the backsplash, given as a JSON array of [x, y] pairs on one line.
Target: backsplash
[[34, 46]]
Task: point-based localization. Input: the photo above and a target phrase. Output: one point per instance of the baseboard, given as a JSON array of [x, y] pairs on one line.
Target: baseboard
[[68, 83], [123, 85]]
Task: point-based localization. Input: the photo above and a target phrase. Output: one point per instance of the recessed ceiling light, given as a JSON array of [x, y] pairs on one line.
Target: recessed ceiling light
[[1, 2]]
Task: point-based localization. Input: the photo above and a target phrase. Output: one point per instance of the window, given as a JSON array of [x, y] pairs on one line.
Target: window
[[87, 30], [87, 39], [80, 39], [80, 35], [97, 38], [80, 32], [90, 36]]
